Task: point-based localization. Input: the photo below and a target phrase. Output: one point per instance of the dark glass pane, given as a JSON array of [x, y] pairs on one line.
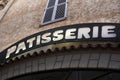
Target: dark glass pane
[[61, 1], [88, 75], [48, 15], [60, 12], [60, 75], [51, 3], [110, 76], [72, 75]]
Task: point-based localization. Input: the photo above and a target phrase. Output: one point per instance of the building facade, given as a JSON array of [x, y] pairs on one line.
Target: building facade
[[71, 39]]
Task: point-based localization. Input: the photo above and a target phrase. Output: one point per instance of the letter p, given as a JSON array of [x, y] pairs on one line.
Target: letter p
[[10, 51]]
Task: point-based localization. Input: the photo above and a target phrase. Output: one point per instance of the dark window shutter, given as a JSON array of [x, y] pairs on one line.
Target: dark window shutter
[[49, 11], [48, 15], [55, 11], [60, 12], [61, 1], [51, 3]]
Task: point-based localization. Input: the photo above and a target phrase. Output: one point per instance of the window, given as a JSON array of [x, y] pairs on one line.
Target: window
[[55, 11], [72, 75]]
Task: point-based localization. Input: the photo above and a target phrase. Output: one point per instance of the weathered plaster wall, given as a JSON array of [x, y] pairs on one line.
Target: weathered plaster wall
[[24, 17]]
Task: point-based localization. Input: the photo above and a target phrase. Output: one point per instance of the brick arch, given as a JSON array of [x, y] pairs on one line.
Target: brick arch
[[82, 59]]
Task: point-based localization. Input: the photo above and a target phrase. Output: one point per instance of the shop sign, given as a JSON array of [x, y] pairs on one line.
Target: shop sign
[[71, 33]]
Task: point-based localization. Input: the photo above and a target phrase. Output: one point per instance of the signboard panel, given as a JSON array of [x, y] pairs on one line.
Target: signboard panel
[[71, 33]]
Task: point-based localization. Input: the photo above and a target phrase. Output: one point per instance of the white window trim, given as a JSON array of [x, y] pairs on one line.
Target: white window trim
[[54, 12]]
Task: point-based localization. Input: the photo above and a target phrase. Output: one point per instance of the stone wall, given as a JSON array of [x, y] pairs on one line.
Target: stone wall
[[23, 17]]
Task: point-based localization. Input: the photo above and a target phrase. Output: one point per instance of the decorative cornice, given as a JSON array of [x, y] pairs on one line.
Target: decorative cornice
[[65, 47]]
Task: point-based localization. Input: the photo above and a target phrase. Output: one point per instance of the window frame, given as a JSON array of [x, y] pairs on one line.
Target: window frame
[[54, 12]]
